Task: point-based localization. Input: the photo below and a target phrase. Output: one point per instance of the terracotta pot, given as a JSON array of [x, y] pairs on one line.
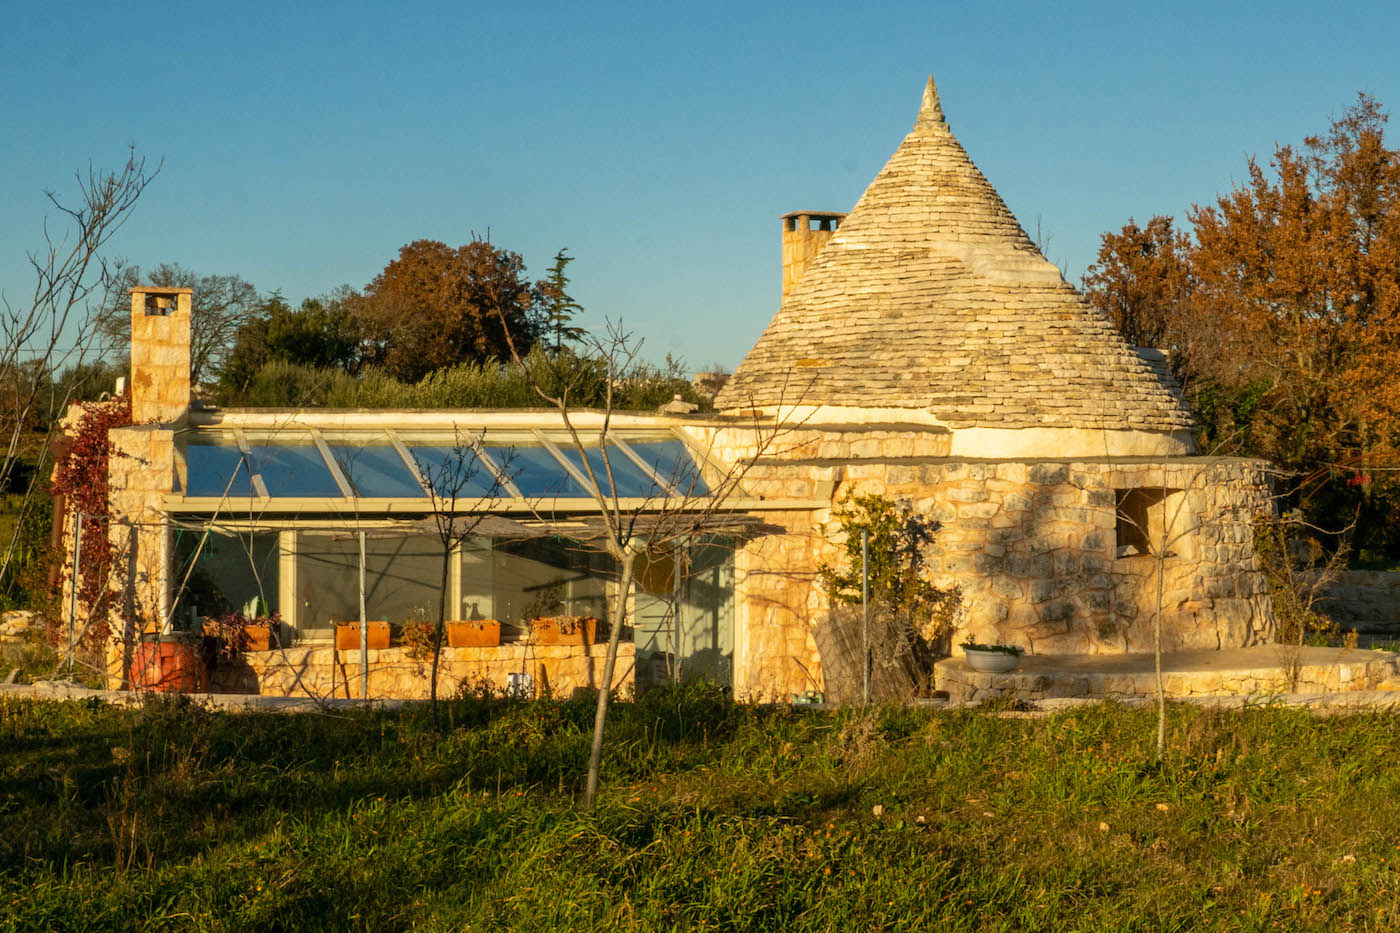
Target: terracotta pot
[[259, 636], [478, 633], [564, 630], [347, 635], [170, 666]]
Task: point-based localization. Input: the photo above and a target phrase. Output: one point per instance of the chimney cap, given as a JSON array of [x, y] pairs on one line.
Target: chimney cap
[[817, 214], [162, 290]]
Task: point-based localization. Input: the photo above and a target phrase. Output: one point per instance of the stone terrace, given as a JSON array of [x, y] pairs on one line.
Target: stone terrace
[[1263, 670]]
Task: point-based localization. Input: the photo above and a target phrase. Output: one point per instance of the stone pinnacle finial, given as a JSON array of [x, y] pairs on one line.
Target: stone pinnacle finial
[[930, 111]]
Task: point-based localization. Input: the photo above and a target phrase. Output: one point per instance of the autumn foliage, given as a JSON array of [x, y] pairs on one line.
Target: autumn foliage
[[1281, 307], [436, 306]]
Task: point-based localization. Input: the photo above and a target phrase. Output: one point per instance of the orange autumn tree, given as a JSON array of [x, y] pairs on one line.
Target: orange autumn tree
[[1282, 310]]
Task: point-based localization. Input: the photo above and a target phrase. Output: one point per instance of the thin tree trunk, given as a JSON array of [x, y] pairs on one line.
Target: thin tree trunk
[[600, 718], [1157, 651], [437, 631]]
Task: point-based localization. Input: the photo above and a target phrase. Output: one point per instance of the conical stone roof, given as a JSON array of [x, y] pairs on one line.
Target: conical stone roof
[[931, 296]]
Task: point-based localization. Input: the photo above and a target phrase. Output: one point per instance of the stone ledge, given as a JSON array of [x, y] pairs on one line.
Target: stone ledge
[[1265, 670]]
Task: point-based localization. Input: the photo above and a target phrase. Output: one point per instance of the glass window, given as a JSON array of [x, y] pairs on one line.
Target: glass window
[[685, 626], [376, 470], [294, 470], [402, 577], [456, 472], [630, 480], [536, 577], [216, 469], [674, 463], [218, 573]]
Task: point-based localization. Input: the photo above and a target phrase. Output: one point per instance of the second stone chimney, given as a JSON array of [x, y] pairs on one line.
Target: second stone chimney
[[160, 354], [804, 235]]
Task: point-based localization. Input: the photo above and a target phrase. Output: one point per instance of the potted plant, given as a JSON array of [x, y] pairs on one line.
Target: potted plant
[[416, 636], [235, 633], [473, 633], [347, 635], [564, 630], [992, 659]]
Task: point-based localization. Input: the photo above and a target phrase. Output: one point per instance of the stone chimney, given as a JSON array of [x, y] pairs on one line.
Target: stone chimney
[[804, 235], [160, 354]]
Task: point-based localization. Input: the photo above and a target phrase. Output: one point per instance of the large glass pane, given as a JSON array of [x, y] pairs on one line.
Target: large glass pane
[[376, 470], [215, 469], [456, 472], [537, 473], [674, 463], [536, 577], [219, 573], [629, 480], [294, 470], [402, 577], [683, 624]]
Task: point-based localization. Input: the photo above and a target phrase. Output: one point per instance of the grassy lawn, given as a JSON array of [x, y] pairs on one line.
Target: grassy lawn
[[713, 816]]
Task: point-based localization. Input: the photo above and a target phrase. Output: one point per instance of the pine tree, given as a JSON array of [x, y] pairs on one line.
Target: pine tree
[[559, 308]]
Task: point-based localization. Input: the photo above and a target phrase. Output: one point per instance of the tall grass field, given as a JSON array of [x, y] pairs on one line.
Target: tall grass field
[[713, 815]]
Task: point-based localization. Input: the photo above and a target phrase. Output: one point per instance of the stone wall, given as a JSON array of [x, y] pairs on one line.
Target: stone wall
[[1367, 601], [141, 471], [322, 672], [1033, 546]]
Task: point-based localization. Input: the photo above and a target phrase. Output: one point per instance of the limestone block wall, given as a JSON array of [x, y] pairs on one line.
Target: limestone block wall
[[1365, 600], [160, 355], [141, 470], [1032, 545], [322, 672]]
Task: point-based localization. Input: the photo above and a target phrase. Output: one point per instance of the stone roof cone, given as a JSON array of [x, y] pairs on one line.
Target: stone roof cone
[[930, 296]]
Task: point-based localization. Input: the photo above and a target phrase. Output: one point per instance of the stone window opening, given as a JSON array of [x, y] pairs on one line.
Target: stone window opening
[[1148, 518], [159, 304]]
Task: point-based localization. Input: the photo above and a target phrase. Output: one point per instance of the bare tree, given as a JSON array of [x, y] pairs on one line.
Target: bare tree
[[460, 485], [57, 326], [219, 305], [661, 522]]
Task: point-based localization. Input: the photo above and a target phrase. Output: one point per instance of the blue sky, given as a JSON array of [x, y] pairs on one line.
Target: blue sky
[[305, 143]]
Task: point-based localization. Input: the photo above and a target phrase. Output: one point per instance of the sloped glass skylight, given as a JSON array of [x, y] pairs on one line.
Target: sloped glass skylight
[[674, 463], [456, 472], [629, 479], [376, 470], [297, 462], [216, 469], [294, 470]]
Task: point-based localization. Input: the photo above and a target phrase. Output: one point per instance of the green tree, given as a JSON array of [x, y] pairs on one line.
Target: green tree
[[557, 307], [323, 333]]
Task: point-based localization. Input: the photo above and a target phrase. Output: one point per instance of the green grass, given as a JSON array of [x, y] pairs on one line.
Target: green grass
[[713, 816]]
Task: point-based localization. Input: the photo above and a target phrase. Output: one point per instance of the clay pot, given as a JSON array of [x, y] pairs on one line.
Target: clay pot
[[259, 636], [347, 635], [477, 633], [564, 630], [172, 665]]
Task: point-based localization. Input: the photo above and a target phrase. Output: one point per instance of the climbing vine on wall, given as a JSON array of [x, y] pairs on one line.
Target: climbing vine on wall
[[81, 477]]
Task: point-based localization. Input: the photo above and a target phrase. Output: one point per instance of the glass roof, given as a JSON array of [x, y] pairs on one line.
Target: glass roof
[[373, 463]]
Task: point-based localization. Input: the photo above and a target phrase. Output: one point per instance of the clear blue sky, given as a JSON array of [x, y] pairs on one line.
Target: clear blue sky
[[305, 143]]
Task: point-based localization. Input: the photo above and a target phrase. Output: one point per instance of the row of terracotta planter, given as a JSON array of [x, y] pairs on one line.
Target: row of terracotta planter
[[478, 633]]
